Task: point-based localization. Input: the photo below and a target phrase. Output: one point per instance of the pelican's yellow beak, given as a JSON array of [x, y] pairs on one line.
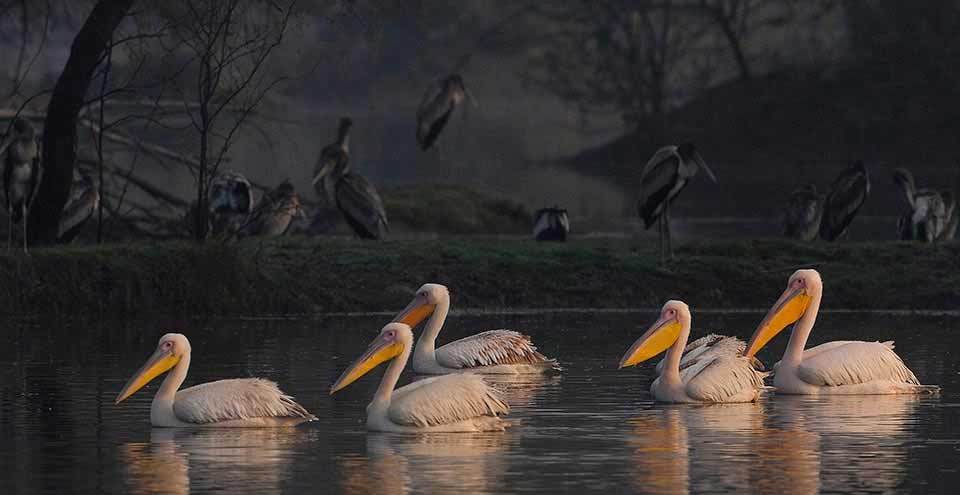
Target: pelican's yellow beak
[[159, 363], [380, 350], [788, 309], [658, 338], [415, 312]]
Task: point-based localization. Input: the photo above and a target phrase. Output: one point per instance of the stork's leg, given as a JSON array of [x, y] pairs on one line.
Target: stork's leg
[[666, 228], [23, 216], [660, 236], [9, 228]]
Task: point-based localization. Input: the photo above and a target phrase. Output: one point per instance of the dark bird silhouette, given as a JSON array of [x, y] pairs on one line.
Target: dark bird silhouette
[[953, 216], [276, 211], [801, 219], [662, 179], [83, 203], [438, 103], [231, 202], [360, 204], [21, 174], [551, 224], [926, 217], [846, 196], [332, 155]]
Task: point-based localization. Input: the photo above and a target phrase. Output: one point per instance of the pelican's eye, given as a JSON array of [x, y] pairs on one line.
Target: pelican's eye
[[391, 334], [168, 344]]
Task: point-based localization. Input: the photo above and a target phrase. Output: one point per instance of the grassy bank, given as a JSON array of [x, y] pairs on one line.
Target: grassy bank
[[304, 275]]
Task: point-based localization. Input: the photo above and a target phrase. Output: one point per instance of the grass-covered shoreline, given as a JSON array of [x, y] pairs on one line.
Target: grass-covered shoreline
[[312, 275]]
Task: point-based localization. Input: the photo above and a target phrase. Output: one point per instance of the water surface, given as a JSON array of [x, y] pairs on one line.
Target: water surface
[[592, 428]]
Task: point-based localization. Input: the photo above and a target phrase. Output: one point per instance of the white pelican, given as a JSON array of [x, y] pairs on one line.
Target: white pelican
[[801, 219], [662, 179], [21, 174], [240, 402], [551, 224], [847, 194], [714, 376], [449, 403], [490, 352], [839, 367]]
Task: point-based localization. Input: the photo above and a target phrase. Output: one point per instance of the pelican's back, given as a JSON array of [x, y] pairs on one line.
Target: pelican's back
[[445, 400], [237, 400]]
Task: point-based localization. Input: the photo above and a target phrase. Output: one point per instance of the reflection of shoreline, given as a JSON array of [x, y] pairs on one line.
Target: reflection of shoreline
[[428, 463], [232, 459]]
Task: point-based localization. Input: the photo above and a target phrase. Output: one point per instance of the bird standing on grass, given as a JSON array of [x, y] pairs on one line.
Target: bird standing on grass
[[21, 174], [847, 194], [662, 179], [84, 200]]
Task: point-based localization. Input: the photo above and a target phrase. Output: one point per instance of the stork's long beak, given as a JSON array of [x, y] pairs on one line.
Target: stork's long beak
[[658, 338], [703, 164], [788, 309], [380, 350], [159, 362], [415, 312]]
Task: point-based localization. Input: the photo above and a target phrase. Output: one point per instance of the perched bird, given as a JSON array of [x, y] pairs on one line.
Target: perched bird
[[712, 371], [276, 211], [83, 203], [360, 204], [551, 224], [840, 367], [490, 352], [801, 218], [21, 174], [846, 196], [240, 402], [332, 156], [231, 202], [927, 217], [437, 105], [953, 217], [449, 403], [662, 179]]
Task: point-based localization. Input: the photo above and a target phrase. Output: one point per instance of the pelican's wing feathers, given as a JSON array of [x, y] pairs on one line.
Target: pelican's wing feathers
[[444, 400], [236, 399], [491, 348], [718, 378], [854, 362]]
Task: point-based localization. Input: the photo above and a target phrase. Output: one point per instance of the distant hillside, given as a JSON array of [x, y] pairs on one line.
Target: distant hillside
[[765, 137]]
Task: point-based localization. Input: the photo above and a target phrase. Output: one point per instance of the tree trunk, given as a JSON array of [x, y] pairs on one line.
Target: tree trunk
[[60, 126]]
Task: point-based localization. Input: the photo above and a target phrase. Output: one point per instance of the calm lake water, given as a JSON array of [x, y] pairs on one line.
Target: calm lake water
[[591, 429]]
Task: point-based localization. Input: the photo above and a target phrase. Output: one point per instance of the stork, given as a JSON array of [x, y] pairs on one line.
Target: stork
[[847, 194], [21, 174], [438, 103]]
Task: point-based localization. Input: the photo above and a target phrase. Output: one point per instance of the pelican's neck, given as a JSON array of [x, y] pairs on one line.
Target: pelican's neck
[[427, 343], [801, 332], [392, 376], [161, 410], [671, 368]]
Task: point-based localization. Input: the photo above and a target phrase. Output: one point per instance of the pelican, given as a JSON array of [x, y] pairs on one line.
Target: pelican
[[21, 174], [276, 211], [437, 105], [240, 402], [927, 217], [231, 202], [662, 179], [84, 200], [846, 196], [714, 376], [551, 224], [490, 352], [839, 367], [449, 403], [802, 214], [332, 155]]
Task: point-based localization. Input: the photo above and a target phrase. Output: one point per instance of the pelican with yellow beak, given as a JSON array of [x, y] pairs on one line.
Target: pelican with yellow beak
[[241, 402], [839, 367], [716, 375], [490, 352], [449, 403]]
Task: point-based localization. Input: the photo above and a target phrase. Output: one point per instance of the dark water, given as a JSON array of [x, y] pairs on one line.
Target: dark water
[[591, 429]]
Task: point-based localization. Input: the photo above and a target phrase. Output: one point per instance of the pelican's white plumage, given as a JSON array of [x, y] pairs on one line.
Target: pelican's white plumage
[[449, 403], [841, 367], [491, 352], [242, 402], [713, 370]]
